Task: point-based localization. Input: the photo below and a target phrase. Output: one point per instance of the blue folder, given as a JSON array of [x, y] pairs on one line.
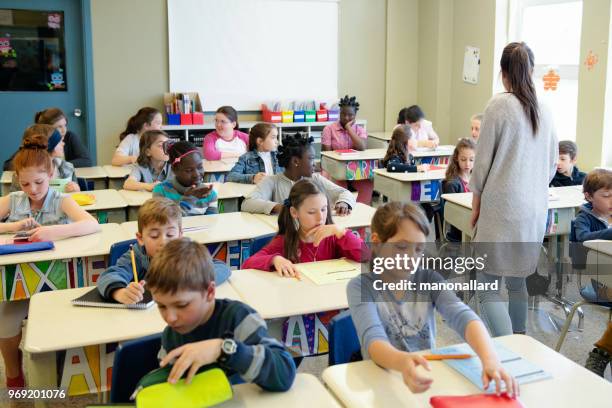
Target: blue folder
[[29, 247]]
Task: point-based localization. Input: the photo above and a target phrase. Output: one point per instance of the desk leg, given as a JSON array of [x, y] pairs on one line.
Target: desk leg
[[41, 372]]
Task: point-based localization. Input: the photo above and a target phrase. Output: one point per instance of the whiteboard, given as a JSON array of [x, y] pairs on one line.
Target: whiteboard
[[245, 52]]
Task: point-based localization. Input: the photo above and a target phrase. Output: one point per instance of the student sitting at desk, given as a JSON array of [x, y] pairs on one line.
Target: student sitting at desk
[[296, 155], [567, 172], [423, 130], [152, 166], [129, 146], [159, 221], [398, 158], [260, 161], [392, 324], [594, 221], [346, 134], [203, 330], [457, 177], [186, 187], [226, 141], [64, 178], [306, 233], [46, 215]]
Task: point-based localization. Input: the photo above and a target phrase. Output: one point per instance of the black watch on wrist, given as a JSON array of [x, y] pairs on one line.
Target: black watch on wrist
[[228, 349]]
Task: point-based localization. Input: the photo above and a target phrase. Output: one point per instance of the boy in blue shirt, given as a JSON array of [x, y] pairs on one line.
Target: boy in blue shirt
[[159, 221], [567, 171], [203, 330]]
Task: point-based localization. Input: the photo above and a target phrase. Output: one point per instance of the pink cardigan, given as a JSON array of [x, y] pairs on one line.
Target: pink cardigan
[[349, 246], [209, 149]]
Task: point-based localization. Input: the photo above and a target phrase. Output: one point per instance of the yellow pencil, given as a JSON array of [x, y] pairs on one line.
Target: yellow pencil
[[134, 265]]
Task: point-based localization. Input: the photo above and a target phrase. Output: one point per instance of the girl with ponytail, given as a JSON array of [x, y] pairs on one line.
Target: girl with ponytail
[[45, 215], [516, 158], [129, 147], [306, 233]]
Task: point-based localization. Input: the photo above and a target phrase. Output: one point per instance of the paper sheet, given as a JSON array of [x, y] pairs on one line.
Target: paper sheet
[[328, 272]]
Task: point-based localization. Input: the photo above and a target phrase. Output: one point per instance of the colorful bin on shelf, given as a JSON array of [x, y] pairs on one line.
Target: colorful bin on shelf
[[197, 118], [271, 116], [333, 115], [186, 119], [287, 116], [322, 115], [311, 116], [298, 116], [174, 118]]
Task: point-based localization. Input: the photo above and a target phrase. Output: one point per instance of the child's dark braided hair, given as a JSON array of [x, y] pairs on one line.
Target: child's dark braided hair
[[349, 101], [178, 149], [293, 146]]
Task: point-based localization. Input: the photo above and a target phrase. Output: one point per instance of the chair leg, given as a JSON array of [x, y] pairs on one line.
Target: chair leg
[[568, 321], [580, 319]]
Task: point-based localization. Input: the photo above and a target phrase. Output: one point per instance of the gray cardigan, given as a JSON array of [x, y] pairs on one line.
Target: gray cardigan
[[275, 189], [511, 174]]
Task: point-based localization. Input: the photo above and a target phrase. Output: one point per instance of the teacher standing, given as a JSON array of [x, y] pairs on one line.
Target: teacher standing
[[516, 159]]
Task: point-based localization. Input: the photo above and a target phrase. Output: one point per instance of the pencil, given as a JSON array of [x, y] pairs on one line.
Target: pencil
[[431, 357], [134, 265]]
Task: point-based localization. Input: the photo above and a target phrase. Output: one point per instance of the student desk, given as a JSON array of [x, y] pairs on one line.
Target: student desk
[[276, 298], [379, 140], [228, 236], [216, 170], [75, 262], [110, 206], [357, 166], [88, 335], [360, 217], [116, 175], [228, 194], [421, 187], [600, 254], [364, 384], [95, 174]]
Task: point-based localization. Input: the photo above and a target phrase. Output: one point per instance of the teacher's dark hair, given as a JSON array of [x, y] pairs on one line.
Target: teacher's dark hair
[[517, 64]]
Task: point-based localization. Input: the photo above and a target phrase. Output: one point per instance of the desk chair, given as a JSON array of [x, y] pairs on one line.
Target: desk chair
[[118, 249], [588, 291], [343, 341]]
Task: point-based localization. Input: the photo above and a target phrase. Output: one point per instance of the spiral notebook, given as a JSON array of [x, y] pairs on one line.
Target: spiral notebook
[[94, 299]]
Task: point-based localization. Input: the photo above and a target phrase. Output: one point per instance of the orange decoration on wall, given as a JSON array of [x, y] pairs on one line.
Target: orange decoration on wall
[[591, 60], [551, 79]]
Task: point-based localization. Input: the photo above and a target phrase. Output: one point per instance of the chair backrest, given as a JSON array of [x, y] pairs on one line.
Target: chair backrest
[[133, 359], [118, 249], [343, 341], [577, 251]]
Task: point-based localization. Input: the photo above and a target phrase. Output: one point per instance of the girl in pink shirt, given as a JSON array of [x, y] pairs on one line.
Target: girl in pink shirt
[[306, 233], [225, 142], [345, 134]]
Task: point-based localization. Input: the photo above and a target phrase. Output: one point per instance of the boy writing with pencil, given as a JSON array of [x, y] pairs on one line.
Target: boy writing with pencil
[[203, 330], [159, 221]]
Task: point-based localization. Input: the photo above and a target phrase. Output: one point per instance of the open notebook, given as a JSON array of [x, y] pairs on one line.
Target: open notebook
[[94, 299], [328, 272]]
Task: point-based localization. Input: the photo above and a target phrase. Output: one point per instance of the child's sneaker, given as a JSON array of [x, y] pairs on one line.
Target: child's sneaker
[[598, 361]]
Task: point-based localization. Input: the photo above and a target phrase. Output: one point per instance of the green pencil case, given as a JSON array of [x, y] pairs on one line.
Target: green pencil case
[[209, 387]]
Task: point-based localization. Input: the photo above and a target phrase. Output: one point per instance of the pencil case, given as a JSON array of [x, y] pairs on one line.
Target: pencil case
[[209, 387], [26, 247]]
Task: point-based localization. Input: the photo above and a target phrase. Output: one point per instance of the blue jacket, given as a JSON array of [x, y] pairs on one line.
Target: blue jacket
[[120, 275], [561, 180], [250, 164], [588, 226]]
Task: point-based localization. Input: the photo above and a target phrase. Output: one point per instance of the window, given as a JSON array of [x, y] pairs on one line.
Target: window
[[552, 28], [32, 50]]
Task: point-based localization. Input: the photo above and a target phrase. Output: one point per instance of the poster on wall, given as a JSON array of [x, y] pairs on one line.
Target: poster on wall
[[471, 65]]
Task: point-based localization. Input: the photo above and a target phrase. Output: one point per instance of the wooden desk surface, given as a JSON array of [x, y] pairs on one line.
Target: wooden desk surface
[[219, 166], [95, 172], [273, 296], [386, 136], [88, 245], [364, 384], [407, 177], [224, 191], [566, 197], [55, 324], [116, 171], [306, 392], [108, 199], [367, 154], [218, 228], [600, 245], [361, 216]]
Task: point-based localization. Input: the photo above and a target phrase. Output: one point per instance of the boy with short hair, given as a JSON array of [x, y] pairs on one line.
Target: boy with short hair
[[159, 221], [203, 330], [594, 221], [567, 171]]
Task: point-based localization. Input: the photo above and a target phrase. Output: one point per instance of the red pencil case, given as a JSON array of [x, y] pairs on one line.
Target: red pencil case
[[475, 401]]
